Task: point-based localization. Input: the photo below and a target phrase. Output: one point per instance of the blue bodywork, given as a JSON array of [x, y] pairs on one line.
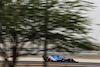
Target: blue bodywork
[[56, 57]]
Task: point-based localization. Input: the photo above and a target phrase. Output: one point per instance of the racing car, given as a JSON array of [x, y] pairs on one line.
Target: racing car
[[69, 60], [57, 58]]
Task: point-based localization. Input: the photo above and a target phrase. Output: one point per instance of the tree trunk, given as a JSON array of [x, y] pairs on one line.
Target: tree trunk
[[12, 63], [7, 63]]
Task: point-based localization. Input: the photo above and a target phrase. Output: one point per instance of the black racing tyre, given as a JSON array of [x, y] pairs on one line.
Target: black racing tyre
[[73, 61], [50, 60]]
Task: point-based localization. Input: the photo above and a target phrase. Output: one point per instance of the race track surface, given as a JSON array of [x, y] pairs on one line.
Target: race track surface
[[54, 64]]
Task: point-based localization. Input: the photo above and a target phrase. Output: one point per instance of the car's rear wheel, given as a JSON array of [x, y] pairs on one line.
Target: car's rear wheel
[[50, 60]]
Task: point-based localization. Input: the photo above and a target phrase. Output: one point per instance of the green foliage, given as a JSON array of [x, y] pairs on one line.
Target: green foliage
[[68, 15], [24, 21]]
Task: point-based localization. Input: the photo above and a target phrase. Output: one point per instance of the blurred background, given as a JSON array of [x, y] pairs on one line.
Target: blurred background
[[33, 28]]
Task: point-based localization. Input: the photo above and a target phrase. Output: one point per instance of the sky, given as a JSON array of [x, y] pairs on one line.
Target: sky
[[95, 16]]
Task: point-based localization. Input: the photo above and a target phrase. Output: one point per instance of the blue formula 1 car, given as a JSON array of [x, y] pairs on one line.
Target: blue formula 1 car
[[57, 58]]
